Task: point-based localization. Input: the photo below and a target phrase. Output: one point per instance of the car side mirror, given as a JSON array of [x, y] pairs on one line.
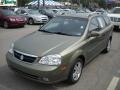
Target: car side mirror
[[94, 34]]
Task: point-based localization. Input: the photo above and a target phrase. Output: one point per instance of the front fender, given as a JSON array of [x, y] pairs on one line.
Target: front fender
[[75, 56]]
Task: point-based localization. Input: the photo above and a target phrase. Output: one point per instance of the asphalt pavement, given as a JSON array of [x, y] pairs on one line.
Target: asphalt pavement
[[99, 74]]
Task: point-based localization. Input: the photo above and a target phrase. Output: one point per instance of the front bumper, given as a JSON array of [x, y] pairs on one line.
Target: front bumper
[[41, 73], [16, 24], [116, 23], [37, 21]]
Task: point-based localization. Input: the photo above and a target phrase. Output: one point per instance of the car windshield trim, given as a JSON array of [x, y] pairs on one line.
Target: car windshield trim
[[41, 30], [60, 33]]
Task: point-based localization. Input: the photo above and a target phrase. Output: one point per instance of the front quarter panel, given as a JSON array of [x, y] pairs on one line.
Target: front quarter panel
[[72, 54]]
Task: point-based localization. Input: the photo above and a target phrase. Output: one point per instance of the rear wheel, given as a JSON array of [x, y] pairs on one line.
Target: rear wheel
[[5, 24], [107, 49], [116, 28], [75, 72]]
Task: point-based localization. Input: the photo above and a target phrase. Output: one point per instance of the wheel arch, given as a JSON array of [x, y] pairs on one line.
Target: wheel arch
[[82, 57], [79, 54]]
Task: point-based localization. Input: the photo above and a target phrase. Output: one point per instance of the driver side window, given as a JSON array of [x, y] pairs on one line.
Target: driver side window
[[93, 25], [18, 12]]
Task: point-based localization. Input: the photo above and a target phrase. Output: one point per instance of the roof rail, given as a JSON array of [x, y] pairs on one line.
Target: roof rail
[[95, 13]]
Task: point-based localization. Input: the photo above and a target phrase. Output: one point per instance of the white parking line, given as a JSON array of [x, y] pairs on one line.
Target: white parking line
[[113, 83]]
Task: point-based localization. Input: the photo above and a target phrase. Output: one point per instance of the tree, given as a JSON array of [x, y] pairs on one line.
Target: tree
[[76, 1], [102, 3], [23, 2]]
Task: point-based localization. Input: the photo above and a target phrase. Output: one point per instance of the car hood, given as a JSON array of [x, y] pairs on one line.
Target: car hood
[[40, 43], [38, 15], [15, 16], [114, 15]]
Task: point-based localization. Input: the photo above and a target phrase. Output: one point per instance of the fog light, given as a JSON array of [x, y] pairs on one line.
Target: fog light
[[45, 79]]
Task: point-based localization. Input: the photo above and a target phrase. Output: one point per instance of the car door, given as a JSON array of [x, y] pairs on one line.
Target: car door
[[105, 32], [109, 29], [92, 46]]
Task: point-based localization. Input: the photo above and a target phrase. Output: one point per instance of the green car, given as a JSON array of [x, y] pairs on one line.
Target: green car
[[60, 49]]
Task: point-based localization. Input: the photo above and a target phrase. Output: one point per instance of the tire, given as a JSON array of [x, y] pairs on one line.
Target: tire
[[108, 47], [23, 26], [30, 21], [75, 72], [116, 28], [5, 24]]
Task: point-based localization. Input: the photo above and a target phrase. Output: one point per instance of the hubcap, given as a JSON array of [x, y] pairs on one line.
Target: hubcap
[[77, 71], [30, 21], [109, 46]]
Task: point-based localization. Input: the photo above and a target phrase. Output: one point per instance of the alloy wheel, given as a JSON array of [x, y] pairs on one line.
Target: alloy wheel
[[77, 71]]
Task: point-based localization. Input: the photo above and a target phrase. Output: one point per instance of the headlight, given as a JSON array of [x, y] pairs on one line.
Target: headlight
[[12, 19], [11, 49], [51, 60], [38, 18]]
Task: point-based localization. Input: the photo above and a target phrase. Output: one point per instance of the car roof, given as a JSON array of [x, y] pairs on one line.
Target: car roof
[[117, 7], [82, 15], [2, 10], [25, 9]]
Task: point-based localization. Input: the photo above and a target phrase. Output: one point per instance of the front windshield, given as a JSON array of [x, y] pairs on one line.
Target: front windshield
[[50, 11], [33, 12], [66, 25], [116, 10], [8, 13]]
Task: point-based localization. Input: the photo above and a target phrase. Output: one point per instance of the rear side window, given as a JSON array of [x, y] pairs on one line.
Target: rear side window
[[107, 20], [102, 22]]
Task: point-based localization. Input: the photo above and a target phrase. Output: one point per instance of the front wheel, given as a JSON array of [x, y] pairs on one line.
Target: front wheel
[[5, 24], [75, 72], [31, 21]]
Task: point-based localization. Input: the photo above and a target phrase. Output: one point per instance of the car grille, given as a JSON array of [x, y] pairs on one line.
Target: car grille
[[23, 57], [114, 19], [44, 20]]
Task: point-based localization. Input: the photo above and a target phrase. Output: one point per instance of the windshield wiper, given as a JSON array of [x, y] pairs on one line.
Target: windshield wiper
[[44, 31], [61, 33]]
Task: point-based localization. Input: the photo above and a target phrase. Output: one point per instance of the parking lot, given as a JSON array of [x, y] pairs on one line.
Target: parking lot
[[97, 75]]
